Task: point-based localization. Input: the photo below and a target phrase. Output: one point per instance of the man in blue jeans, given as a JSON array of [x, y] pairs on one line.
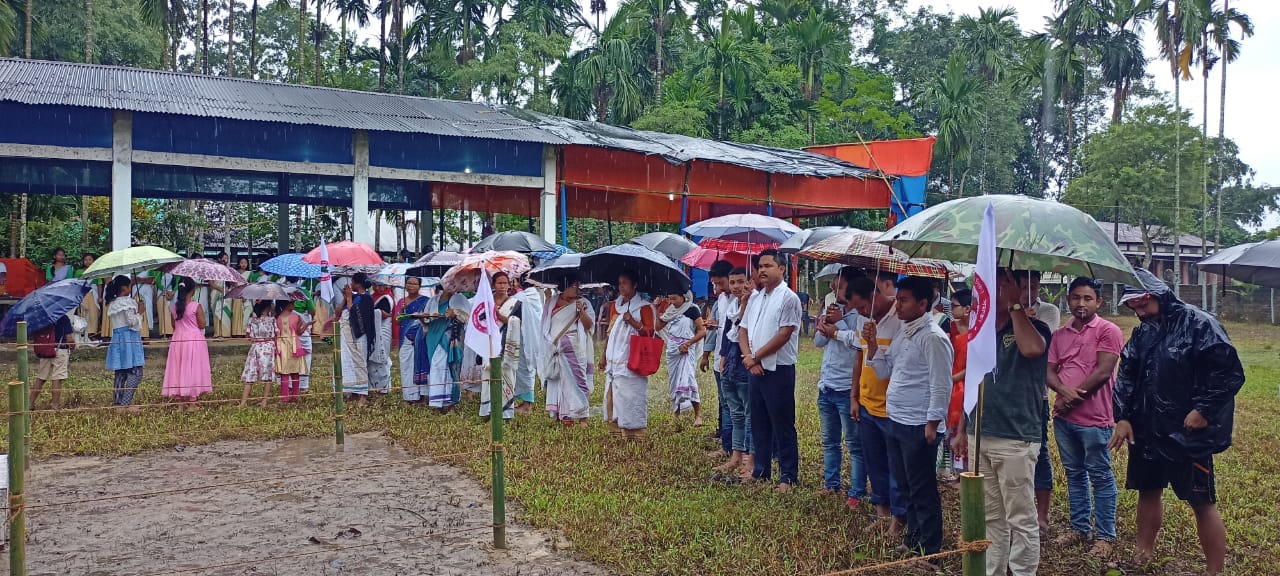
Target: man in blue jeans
[[1082, 360], [836, 333], [719, 275]]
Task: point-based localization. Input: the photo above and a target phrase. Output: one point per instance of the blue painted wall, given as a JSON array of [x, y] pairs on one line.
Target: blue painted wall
[[55, 125], [454, 154], [241, 138]]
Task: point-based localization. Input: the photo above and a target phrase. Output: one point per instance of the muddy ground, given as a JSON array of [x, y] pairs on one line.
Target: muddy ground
[[373, 521]]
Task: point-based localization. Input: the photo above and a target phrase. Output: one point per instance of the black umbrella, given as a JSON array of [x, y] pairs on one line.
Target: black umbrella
[[1253, 263], [556, 270], [808, 237], [654, 272], [673, 246], [434, 264], [515, 241]]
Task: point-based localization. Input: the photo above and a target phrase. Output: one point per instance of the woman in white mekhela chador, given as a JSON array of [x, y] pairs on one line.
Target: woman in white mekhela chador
[[355, 363], [568, 372], [681, 326], [438, 348], [506, 306], [380, 356], [626, 394], [533, 348]]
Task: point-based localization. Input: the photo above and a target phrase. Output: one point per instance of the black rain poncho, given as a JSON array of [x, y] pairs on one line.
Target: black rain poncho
[[1180, 362]]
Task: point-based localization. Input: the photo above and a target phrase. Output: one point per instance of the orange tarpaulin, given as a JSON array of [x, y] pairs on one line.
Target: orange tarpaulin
[[910, 157]]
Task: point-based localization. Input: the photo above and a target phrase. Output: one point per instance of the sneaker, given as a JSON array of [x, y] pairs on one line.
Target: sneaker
[[853, 503]]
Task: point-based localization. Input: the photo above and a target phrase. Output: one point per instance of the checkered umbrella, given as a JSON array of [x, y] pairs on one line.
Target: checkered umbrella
[[859, 248]]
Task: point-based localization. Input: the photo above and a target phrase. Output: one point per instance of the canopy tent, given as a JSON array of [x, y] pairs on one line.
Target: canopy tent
[[907, 159]]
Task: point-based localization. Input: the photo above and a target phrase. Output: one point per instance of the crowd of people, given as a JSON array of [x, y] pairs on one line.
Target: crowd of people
[[890, 387]]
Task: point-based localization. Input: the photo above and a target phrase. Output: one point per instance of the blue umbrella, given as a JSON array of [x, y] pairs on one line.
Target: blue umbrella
[[291, 265], [44, 307], [553, 254]]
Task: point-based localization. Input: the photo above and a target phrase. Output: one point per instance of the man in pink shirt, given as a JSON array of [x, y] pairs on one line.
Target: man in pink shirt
[[1082, 365]]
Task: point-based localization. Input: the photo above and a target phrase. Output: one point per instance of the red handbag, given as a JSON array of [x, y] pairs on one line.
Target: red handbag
[[646, 355]]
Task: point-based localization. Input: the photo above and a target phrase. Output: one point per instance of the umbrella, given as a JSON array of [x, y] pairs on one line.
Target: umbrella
[[44, 307], [748, 227], [553, 254], [1252, 263], [702, 258], [204, 270], [465, 277], [854, 247], [291, 266], [654, 272], [1031, 234], [266, 290], [553, 271], [346, 253], [394, 275], [808, 237], [736, 245], [673, 246], [829, 271], [128, 261], [513, 241], [435, 264]]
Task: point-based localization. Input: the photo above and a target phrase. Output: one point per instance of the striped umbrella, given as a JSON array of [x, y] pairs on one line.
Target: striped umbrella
[[859, 248]]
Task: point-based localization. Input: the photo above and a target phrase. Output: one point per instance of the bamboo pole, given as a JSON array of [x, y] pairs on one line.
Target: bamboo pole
[[17, 476], [496, 405], [24, 375], [973, 521], [339, 407]]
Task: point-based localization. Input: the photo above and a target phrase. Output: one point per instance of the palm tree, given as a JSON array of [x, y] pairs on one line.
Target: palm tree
[[317, 35], [9, 28], [1120, 51], [253, 41], [231, 39], [991, 40], [650, 22], [204, 37], [1219, 32], [732, 59], [302, 42], [348, 10], [813, 39], [603, 79], [381, 9], [88, 31], [956, 97]]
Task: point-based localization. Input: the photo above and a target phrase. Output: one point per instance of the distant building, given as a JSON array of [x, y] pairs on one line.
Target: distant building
[[1129, 238]]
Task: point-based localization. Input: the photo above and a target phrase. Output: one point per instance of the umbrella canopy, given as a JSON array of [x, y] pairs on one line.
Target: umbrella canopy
[[291, 265], [553, 254], [853, 247], [44, 307], [702, 258], [745, 227], [554, 271], [736, 245], [128, 261], [829, 271], [808, 237], [513, 241], [465, 277], [1031, 234], [435, 264], [1252, 263], [673, 246], [654, 272], [346, 253], [266, 290], [205, 270]]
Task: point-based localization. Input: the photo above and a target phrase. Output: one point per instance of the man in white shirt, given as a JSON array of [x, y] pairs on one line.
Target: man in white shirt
[[770, 339], [918, 365], [719, 274]]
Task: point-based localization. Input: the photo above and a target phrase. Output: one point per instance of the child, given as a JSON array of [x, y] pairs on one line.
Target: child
[[291, 357], [260, 365]]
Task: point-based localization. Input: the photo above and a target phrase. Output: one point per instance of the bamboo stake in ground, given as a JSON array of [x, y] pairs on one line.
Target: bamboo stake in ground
[[339, 408], [17, 476], [496, 405], [24, 375], [973, 521]]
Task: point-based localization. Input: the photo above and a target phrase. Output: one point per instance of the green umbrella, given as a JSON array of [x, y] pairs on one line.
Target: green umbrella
[[1031, 234], [129, 261]]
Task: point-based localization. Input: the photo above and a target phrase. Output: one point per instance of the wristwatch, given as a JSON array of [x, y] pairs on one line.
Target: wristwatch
[[1015, 307]]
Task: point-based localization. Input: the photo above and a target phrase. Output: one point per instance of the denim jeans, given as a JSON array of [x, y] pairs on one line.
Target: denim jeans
[[725, 419], [1044, 470], [1088, 466], [738, 400], [833, 411], [873, 431], [913, 460], [773, 412]]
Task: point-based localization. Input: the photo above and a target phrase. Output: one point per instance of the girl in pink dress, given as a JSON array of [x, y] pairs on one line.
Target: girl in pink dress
[[187, 374]]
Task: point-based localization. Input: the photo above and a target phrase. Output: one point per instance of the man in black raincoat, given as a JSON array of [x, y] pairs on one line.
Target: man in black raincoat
[[1174, 407]]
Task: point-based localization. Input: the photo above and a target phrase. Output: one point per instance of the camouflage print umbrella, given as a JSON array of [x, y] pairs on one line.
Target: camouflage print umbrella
[[1031, 234]]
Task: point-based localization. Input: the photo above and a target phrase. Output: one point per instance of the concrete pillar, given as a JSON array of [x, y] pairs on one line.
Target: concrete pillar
[[360, 189], [547, 210], [282, 214], [121, 179]]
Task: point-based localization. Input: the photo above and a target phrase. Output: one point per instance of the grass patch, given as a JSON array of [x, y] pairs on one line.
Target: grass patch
[[651, 507]]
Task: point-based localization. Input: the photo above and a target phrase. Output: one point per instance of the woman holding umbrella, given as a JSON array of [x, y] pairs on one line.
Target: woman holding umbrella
[[437, 351], [124, 354], [186, 373], [626, 403], [568, 377]]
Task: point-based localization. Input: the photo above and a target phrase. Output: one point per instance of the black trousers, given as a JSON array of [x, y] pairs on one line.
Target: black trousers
[[913, 461], [773, 424]]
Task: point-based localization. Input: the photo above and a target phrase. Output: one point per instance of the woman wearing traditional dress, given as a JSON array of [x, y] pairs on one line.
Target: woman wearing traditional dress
[[510, 325], [90, 306], [305, 309], [437, 351], [533, 344], [144, 290], [59, 269], [681, 324], [380, 356], [405, 333], [260, 364], [186, 373], [291, 357], [626, 394], [124, 354], [238, 323], [358, 330], [567, 321], [164, 296]]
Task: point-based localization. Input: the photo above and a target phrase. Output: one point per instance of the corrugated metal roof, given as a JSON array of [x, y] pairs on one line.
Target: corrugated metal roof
[[117, 88], [679, 149], [1160, 237]]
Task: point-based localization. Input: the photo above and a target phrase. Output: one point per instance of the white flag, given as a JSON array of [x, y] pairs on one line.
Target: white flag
[[326, 280], [982, 320], [483, 335]]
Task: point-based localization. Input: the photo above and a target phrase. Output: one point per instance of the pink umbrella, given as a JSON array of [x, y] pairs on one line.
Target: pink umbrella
[[466, 276], [702, 258], [347, 253], [204, 270]]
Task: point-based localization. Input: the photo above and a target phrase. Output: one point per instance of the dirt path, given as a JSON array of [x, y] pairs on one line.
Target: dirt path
[[374, 521]]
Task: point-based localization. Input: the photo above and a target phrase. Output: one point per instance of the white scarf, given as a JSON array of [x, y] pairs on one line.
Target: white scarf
[[674, 312], [909, 329], [620, 332]]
